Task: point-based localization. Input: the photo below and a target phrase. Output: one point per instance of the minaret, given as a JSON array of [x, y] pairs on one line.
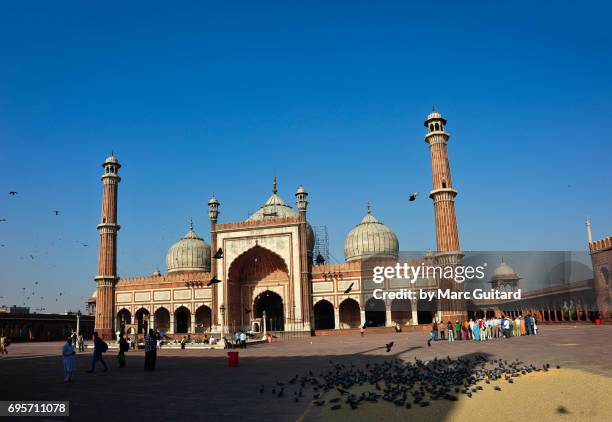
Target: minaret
[[301, 200], [587, 223], [213, 214], [443, 195], [107, 258]]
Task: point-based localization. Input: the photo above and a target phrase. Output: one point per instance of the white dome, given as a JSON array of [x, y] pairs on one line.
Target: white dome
[[370, 238], [191, 253], [504, 270]]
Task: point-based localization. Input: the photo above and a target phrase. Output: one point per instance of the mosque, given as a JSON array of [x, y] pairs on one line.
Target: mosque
[[260, 273]]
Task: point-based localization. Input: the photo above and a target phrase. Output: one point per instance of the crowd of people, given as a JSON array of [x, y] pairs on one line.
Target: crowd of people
[[482, 329]]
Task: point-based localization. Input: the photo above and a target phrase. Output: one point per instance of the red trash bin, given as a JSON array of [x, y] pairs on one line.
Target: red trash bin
[[232, 358], [598, 322]]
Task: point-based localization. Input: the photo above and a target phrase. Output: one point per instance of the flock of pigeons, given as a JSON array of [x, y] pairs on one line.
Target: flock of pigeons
[[404, 384]]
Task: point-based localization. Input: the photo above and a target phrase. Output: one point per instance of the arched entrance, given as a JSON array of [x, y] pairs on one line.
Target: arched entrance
[[123, 317], [375, 313], [350, 315], [162, 320], [324, 315], [203, 319], [401, 311], [142, 319], [182, 320], [426, 311], [272, 304], [256, 268]]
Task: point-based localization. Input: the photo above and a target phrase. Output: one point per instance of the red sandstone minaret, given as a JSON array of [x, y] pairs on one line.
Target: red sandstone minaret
[[107, 258], [443, 195]]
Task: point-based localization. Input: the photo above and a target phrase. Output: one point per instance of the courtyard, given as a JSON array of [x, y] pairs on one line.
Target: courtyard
[[197, 384]]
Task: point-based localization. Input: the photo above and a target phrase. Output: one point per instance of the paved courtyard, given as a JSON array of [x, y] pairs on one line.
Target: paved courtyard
[[198, 384]]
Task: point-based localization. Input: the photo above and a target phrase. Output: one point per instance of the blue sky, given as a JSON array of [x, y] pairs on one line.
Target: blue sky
[[209, 97]]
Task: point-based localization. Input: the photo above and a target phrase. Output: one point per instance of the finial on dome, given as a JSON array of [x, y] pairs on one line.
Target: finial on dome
[[190, 223], [274, 190], [369, 208], [433, 107]]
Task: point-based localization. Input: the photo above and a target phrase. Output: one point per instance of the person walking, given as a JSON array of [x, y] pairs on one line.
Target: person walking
[[100, 347], [441, 327], [434, 330], [68, 356], [458, 329], [243, 338], [362, 330], [4, 344], [151, 351], [123, 347]]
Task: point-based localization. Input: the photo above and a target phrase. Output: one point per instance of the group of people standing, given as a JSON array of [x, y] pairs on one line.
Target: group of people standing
[[240, 339], [482, 329]]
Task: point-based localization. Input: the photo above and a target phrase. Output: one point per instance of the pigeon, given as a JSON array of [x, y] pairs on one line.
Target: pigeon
[[429, 343], [56, 212], [413, 196], [2, 220], [218, 254], [212, 281], [12, 193], [319, 402], [389, 346], [261, 389], [336, 407], [347, 291]]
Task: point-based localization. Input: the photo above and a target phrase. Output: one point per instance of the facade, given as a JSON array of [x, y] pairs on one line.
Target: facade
[[264, 266]]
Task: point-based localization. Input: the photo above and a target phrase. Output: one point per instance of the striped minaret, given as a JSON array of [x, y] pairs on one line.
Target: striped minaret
[[107, 257], [443, 195]]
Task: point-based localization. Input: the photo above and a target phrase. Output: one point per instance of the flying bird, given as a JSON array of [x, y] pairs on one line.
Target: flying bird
[[413, 196], [212, 281], [56, 212], [347, 291], [389, 346], [218, 254], [12, 193], [3, 219]]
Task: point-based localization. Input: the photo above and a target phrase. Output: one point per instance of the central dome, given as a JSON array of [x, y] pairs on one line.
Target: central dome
[[191, 253], [370, 238], [275, 207]]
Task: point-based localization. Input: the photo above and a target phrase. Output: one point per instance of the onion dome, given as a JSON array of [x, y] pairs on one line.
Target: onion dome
[[370, 238], [504, 272], [275, 207], [191, 253]]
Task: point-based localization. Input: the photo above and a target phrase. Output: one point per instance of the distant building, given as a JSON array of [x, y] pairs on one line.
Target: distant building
[[14, 310]]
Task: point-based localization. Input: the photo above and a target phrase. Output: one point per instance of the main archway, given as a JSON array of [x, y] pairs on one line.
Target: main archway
[[272, 304], [324, 315], [257, 269], [426, 311]]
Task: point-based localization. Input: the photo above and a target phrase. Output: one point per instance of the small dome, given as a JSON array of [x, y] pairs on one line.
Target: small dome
[[370, 238], [300, 190], [434, 115], [504, 271], [111, 160], [213, 200], [191, 253]]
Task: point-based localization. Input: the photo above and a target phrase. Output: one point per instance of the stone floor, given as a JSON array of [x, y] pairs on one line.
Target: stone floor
[[198, 384]]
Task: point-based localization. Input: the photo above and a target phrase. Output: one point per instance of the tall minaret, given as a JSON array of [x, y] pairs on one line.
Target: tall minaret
[[443, 194], [213, 214], [301, 200], [107, 258]]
